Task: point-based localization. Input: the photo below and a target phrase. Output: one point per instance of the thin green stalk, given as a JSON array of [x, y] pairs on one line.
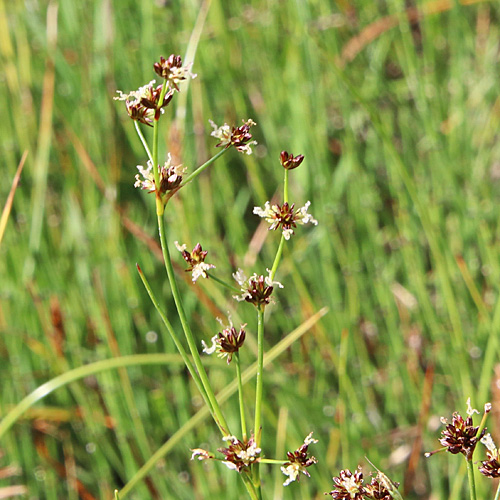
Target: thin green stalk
[[470, 476], [224, 395], [221, 421], [285, 187], [259, 389], [277, 259], [260, 366], [143, 140], [160, 207], [223, 283], [199, 170], [176, 340], [240, 396]]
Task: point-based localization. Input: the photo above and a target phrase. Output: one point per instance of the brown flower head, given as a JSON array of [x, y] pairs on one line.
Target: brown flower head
[[240, 455], [289, 162], [460, 436], [378, 489], [298, 461], [173, 71], [490, 467], [226, 343], [143, 105], [348, 485], [170, 178], [196, 261], [257, 289], [239, 137], [285, 216]]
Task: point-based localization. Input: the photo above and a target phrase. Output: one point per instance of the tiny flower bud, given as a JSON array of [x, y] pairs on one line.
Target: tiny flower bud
[[289, 162]]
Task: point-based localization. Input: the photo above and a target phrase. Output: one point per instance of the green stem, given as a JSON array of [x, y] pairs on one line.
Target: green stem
[[223, 283], [199, 170], [176, 340], [259, 389], [221, 421], [78, 373], [240, 396], [285, 187], [277, 259], [159, 202], [470, 475], [143, 140]]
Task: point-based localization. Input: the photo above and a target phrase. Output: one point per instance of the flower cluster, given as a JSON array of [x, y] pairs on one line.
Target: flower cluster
[[173, 71], [289, 162], [285, 216], [226, 343], [298, 461], [491, 467], [238, 455], [349, 486], [257, 289], [170, 178], [196, 261], [239, 137], [143, 105]]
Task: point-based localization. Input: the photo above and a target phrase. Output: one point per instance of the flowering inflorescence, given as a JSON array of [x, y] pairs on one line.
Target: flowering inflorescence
[[298, 461], [491, 467], [285, 216], [226, 343], [238, 455], [173, 71], [257, 289], [196, 260], [350, 486], [461, 435], [239, 137]]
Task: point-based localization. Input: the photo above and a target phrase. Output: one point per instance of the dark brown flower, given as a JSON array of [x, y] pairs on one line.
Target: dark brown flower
[[257, 289], [348, 485], [240, 455], [460, 436], [289, 162], [226, 343], [298, 461], [377, 489], [196, 260], [173, 71], [239, 137], [285, 216]]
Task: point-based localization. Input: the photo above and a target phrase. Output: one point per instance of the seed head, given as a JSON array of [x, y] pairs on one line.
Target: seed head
[[380, 489], [490, 467], [459, 436], [289, 162]]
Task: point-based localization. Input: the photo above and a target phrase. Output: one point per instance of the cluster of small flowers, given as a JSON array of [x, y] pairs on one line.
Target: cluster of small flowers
[[462, 436], [350, 486], [240, 455]]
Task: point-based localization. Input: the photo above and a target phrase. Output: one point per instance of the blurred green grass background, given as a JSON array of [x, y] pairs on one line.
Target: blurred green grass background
[[395, 106]]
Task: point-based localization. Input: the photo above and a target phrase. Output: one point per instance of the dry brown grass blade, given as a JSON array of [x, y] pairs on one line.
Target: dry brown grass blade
[[13, 491], [10, 198], [371, 32]]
